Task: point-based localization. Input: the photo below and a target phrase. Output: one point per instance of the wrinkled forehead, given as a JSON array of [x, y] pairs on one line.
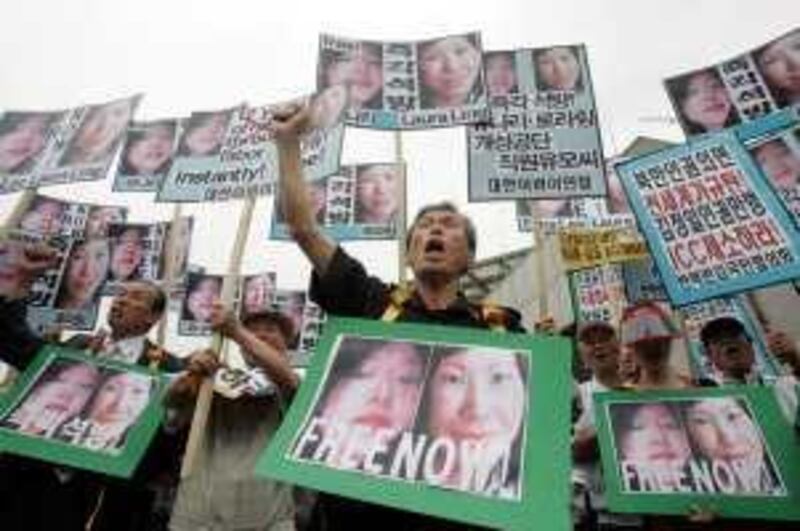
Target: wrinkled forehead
[[138, 291]]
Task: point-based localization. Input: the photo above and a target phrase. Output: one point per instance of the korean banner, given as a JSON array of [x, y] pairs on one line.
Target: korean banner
[[713, 224], [758, 83], [146, 155], [507, 467], [582, 248], [45, 148], [556, 214], [230, 154], [361, 202], [407, 85], [695, 316], [598, 294], [544, 139], [723, 449], [50, 216], [74, 409]]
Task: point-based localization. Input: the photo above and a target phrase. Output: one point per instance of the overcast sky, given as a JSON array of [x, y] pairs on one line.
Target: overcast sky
[[200, 54]]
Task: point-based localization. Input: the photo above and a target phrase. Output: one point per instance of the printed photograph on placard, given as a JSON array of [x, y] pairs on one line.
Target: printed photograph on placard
[[758, 83], [137, 250], [424, 441], [257, 293], [198, 301], [544, 140], [24, 137], [362, 202], [50, 216], [146, 155], [556, 214], [406, 85], [75, 409], [664, 452]]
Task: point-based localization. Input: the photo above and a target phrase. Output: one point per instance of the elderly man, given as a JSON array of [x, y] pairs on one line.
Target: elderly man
[[224, 490], [440, 245]]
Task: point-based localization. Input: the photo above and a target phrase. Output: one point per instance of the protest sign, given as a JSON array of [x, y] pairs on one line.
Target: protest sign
[[582, 248], [407, 85], [664, 452], [507, 468], [83, 411], [544, 139], [230, 154], [741, 90], [362, 202], [63, 147], [642, 281], [713, 225], [146, 155], [598, 294], [50, 216], [556, 214], [202, 291], [695, 316]]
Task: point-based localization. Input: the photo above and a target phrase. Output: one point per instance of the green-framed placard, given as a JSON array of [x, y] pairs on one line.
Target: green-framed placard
[[728, 450], [457, 423], [83, 411]]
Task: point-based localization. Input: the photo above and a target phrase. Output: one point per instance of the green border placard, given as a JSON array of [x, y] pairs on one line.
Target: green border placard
[[779, 439], [136, 442], [544, 503]]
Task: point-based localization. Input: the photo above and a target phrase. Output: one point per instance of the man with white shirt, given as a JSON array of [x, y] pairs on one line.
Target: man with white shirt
[[599, 348], [135, 309]]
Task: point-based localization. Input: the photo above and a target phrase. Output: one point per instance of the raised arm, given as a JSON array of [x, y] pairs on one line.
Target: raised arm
[[293, 192], [274, 362]]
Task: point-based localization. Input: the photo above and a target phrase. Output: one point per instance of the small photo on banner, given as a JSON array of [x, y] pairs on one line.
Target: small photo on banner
[[24, 138], [423, 444], [202, 291], [778, 156], [137, 251], [664, 452], [50, 216], [67, 296], [407, 85], [696, 316], [146, 155], [74, 409], [556, 214], [713, 224], [642, 281], [758, 83], [544, 139], [362, 202], [230, 154]]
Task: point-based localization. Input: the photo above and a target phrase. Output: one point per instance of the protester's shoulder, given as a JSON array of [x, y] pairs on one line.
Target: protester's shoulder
[[78, 341], [495, 316]]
